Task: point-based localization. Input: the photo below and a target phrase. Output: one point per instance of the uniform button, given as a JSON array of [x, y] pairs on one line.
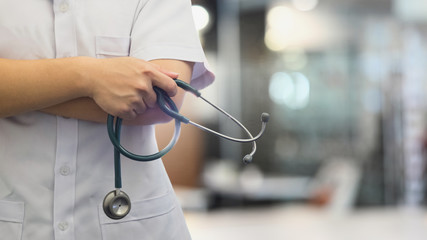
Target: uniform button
[[63, 226], [65, 170], [64, 6]]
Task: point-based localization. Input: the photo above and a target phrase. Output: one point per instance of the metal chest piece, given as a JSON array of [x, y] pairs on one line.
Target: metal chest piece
[[116, 204]]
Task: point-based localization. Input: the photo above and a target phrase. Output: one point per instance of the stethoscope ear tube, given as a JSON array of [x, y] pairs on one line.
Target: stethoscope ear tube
[[187, 87], [162, 98]]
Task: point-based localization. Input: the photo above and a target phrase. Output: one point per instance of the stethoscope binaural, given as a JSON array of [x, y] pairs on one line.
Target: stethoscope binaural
[[117, 203]]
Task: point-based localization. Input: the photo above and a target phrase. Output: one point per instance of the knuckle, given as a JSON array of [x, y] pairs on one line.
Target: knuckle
[[125, 112], [148, 70], [142, 86], [171, 88], [151, 102], [134, 100]]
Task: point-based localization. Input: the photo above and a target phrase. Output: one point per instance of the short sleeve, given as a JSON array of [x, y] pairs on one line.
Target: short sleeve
[[164, 29]]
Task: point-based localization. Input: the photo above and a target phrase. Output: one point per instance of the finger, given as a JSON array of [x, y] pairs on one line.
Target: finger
[[128, 115], [139, 107], [166, 83], [150, 99], [161, 80], [170, 74]]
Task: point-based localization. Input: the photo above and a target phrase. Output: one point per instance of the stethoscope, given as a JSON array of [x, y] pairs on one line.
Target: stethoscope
[[117, 203]]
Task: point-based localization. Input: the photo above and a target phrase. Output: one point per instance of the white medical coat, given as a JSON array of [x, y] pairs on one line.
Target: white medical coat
[[55, 172]]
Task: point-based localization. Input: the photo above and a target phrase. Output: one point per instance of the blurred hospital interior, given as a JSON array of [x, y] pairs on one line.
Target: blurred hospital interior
[[344, 153]]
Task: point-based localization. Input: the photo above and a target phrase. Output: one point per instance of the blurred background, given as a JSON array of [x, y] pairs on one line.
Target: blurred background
[[344, 155]]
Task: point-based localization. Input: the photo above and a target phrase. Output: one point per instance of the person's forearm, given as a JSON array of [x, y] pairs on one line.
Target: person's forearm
[[27, 85], [82, 108], [120, 86], [87, 109]]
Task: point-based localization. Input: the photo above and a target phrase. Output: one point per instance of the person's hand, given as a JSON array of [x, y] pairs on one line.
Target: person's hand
[[123, 87]]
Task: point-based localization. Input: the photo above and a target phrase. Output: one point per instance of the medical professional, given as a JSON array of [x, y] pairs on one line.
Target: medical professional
[[65, 64]]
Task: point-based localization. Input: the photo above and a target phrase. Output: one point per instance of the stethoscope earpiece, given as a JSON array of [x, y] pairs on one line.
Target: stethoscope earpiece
[[265, 117], [116, 204], [247, 159]]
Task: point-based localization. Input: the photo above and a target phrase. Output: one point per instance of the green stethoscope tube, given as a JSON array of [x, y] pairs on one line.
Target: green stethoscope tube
[[117, 203], [114, 131], [168, 106]]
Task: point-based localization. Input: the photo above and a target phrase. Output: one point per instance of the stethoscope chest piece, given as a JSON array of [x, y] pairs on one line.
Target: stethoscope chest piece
[[116, 204]]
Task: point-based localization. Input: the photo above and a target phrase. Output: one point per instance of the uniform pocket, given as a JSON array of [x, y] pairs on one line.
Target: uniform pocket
[[155, 218], [109, 46], [11, 219]]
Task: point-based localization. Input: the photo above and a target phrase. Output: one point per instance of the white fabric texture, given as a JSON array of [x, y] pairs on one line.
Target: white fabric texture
[[55, 172]]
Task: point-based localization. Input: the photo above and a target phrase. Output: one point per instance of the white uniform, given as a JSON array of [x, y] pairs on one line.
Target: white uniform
[[55, 172]]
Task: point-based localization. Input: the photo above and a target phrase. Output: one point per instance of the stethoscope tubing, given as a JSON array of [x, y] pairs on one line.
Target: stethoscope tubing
[[240, 140], [168, 106], [174, 114], [114, 134], [113, 200], [163, 98]]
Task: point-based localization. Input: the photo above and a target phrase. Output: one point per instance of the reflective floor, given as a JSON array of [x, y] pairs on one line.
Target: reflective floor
[[300, 222]]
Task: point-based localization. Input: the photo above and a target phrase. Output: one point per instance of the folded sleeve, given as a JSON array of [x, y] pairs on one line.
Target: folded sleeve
[[164, 29]]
